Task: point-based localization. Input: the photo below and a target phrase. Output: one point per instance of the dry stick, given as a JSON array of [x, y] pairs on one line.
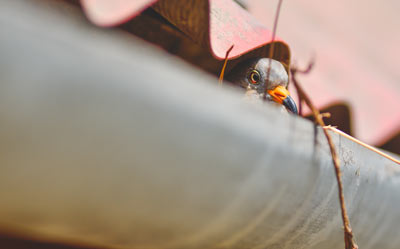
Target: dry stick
[[348, 234], [272, 48], [300, 106], [221, 75], [363, 144]]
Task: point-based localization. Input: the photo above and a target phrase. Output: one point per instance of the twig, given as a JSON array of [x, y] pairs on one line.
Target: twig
[[348, 234], [300, 105], [221, 75], [363, 144], [272, 42]]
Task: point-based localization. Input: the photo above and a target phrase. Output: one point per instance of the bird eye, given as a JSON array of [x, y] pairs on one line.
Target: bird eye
[[254, 77]]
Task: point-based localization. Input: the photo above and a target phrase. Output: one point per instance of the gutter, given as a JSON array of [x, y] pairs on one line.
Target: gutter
[[109, 142]]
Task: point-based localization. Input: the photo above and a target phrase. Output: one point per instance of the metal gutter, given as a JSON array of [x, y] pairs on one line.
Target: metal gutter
[[109, 142]]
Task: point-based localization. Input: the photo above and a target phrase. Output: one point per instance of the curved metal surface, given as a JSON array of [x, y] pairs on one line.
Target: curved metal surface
[[149, 153]]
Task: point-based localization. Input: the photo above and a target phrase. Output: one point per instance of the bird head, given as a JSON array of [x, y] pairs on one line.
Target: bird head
[[253, 76]]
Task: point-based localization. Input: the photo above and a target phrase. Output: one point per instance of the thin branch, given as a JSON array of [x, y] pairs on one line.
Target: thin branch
[[221, 75], [300, 100], [272, 42], [348, 234], [363, 144]]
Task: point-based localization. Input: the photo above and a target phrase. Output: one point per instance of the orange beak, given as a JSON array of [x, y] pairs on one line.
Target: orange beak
[[282, 96]]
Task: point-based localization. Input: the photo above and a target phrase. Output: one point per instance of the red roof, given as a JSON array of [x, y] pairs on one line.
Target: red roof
[[223, 23]]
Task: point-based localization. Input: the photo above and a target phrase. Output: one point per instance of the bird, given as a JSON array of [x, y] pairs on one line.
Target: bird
[[252, 75]]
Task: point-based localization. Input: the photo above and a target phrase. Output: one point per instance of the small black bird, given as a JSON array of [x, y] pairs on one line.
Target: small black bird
[[252, 75]]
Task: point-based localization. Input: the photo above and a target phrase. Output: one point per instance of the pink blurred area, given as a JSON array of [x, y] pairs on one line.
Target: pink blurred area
[[355, 45], [109, 13]]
